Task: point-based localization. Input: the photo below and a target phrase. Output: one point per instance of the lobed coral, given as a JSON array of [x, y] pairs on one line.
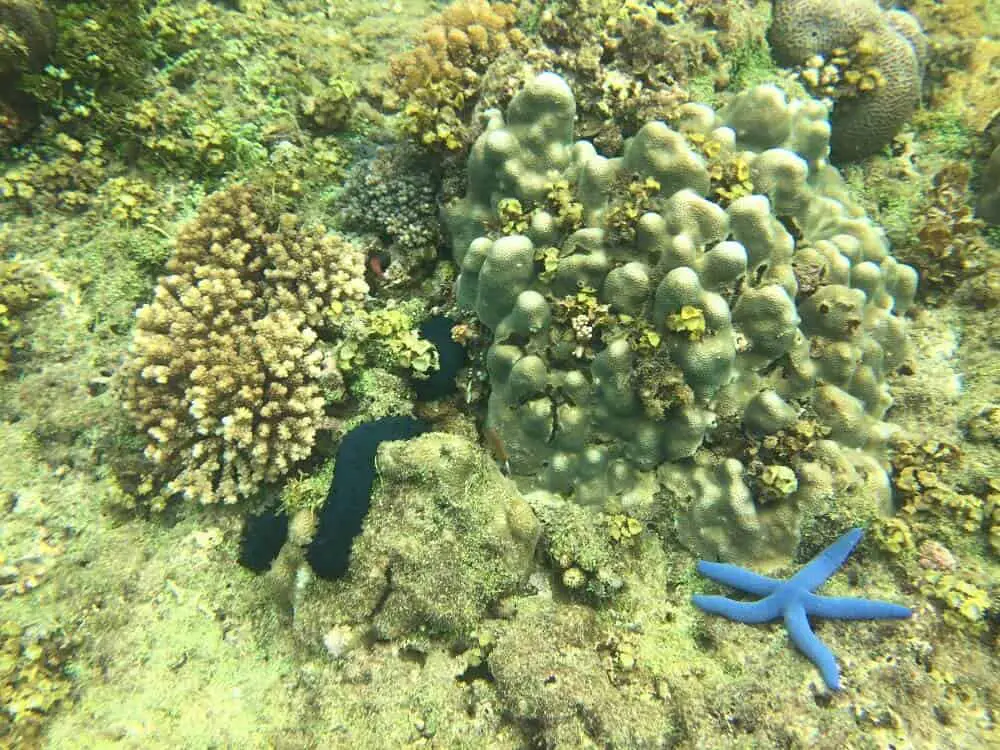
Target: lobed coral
[[869, 61], [781, 305], [226, 375], [438, 81]]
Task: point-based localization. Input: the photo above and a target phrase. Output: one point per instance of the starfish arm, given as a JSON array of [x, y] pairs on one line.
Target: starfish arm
[[806, 641], [763, 610], [825, 564], [738, 578], [853, 608]]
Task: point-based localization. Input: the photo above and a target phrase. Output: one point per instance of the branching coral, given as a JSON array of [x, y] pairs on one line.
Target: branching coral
[[225, 374]]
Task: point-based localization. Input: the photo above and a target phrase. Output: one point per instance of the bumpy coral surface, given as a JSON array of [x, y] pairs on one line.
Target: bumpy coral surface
[[225, 375], [438, 82], [392, 197], [445, 538], [640, 327], [868, 61]]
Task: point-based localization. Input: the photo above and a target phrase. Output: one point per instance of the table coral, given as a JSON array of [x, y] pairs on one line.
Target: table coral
[[225, 375], [770, 307]]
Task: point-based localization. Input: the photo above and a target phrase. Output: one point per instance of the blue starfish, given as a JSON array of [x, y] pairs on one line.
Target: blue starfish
[[793, 600]]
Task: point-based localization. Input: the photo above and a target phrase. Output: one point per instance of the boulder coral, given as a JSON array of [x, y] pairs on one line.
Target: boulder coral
[[225, 374], [738, 348], [870, 62]]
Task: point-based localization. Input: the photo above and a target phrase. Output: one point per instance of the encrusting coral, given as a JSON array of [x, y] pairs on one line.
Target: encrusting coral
[[225, 374]]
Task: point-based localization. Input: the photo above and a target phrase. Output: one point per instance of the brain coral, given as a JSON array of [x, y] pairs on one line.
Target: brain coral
[[225, 374], [728, 354], [869, 61]]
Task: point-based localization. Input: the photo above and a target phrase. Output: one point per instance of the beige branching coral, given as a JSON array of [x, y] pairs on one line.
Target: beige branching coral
[[225, 374]]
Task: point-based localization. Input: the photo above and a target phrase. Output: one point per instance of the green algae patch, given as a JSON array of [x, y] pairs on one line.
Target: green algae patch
[[445, 539]]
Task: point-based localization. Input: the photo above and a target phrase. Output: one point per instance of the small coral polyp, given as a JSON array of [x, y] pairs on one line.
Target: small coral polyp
[[785, 305]]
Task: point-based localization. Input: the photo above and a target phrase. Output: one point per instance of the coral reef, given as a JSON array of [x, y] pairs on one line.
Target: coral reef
[[64, 174], [347, 503], [785, 302], [225, 374], [387, 338], [446, 536], [21, 288], [949, 247], [870, 62], [102, 55], [329, 106], [793, 601], [564, 694], [988, 200], [27, 38], [633, 61], [391, 197]]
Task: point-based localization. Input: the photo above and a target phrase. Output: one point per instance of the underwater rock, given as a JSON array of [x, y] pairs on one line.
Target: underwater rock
[[350, 492]]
